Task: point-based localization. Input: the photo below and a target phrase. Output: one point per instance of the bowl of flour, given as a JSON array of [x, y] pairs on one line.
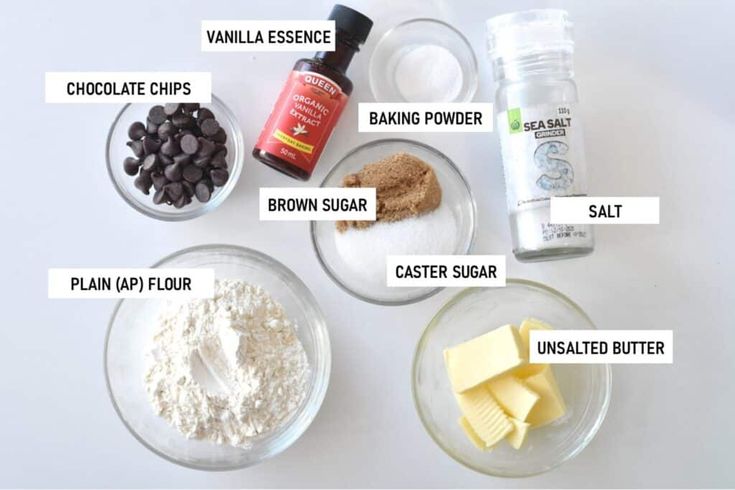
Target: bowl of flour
[[224, 382]]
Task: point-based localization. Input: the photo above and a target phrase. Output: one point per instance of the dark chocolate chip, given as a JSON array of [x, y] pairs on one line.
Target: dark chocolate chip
[[182, 133], [151, 145], [171, 147], [173, 172], [221, 148], [188, 188], [136, 130], [143, 182], [201, 161], [152, 128], [171, 109], [202, 191], [189, 144], [159, 197], [219, 176], [137, 147], [193, 174], [181, 120], [182, 159], [204, 114], [209, 127], [190, 107], [131, 165], [150, 162], [206, 147], [166, 130], [165, 159], [174, 190], [157, 115], [159, 181], [220, 136], [219, 161]]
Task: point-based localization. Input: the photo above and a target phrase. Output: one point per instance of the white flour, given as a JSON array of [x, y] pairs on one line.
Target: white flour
[[226, 369]]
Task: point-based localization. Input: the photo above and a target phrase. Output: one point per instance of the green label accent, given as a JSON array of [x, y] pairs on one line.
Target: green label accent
[[515, 123]]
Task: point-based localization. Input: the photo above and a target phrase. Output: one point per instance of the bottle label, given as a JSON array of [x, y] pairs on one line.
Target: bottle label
[[302, 119], [543, 154]]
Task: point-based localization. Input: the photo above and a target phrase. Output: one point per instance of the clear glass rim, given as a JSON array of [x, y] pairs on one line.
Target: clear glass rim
[[420, 347], [470, 242], [217, 199], [300, 421], [470, 94]]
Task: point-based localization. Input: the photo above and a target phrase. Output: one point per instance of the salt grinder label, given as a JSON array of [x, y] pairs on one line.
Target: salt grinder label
[[302, 119], [317, 203], [173, 283], [445, 270]]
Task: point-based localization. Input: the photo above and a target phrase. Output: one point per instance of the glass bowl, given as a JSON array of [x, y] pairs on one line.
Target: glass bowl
[[116, 151], [456, 197], [472, 312], [128, 341], [406, 37]]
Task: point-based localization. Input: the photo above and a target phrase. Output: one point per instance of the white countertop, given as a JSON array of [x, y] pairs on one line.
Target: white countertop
[[656, 80]]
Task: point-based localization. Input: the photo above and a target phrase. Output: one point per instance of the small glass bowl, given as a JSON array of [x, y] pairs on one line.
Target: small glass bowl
[[475, 311], [128, 341], [456, 196], [409, 35], [117, 151]]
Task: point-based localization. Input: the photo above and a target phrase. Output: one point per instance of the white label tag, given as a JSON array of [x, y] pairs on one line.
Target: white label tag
[[607, 210], [130, 283], [453, 117], [601, 346], [268, 35], [445, 270], [122, 87], [317, 203]]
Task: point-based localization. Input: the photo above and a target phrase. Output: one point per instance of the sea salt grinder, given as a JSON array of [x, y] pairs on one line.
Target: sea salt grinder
[[312, 100], [540, 131]]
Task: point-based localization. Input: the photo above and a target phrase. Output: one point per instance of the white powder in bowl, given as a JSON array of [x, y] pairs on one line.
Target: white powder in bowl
[[227, 369], [363, 251], [428, 73]]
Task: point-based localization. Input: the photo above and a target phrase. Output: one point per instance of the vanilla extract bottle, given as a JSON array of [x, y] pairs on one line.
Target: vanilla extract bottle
[[312, 100]]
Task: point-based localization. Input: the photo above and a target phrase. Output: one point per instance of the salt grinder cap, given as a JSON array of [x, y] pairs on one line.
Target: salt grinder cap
[[356, 25]]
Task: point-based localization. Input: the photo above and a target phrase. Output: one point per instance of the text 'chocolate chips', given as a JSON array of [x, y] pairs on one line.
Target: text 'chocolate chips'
[[179, 151]]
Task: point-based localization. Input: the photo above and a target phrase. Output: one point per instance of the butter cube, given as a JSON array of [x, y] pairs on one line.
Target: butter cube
[[484, 415], [551, 405], [484, 357], [518, 436], [524, 332], [471, 434], [513, 395]]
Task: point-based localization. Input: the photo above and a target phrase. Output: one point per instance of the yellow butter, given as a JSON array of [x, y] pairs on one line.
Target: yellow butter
[[524, 333], [513, 395], [471, 434], [518, 436], [484, 415], [484, 357], [551, 404]]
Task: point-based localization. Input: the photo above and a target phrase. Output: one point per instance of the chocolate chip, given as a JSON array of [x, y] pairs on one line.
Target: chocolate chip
[[193, 174], [171, 147], [143, 182], [151, 145], [220, 136], [131, 165], [136, 130], [173, 172], [188, 188], [221, 148], [157, 115], [159, 197], [206, 147], [137, 147], [181, 120], [219, 161], [189, 144], [159, 181], [171, 109], [182, 159], [152, 128], [201, 161], [202, 191], [166, 130], [203, 114], [209, 127], [165, 159], [174, 190], [219, 176], [150, 161], [190, 107]]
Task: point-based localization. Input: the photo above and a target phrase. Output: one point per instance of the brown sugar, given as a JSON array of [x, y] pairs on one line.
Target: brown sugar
[[405, 187]]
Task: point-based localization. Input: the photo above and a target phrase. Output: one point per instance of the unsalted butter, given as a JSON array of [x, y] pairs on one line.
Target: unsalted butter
[[513, 396], [484, 357], [551, 405], [518, 436], [524, 332], [484, 415], [471, 434]]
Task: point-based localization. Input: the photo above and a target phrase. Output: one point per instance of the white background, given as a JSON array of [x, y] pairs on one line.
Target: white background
[[656, 80]]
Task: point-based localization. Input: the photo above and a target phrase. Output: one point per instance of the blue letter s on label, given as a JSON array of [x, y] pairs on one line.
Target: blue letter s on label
[[560, 173]]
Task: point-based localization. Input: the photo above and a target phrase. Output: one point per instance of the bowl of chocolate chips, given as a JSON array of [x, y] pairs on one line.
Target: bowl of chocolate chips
[[175, 161]]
